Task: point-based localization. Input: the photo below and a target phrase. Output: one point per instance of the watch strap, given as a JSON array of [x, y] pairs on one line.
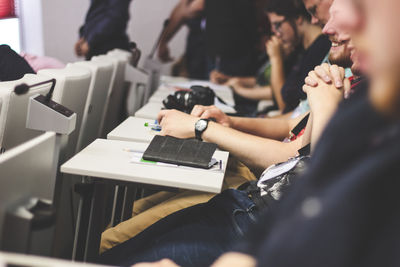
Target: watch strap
[[198, 133]]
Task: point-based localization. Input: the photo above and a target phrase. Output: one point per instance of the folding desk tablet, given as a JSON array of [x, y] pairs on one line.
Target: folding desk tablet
[[149, 111], [133, 129]]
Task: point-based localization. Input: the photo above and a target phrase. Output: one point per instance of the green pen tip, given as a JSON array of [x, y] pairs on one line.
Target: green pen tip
[[146, 124]]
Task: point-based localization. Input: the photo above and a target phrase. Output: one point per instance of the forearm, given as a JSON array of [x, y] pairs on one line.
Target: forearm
[[308, 132], [247, 81], [254, 151], [277, 80], [257, 93], [176, 21], [273, 128], [320, 120]]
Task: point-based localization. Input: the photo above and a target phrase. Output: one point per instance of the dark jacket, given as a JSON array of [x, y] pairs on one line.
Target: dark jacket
[[105, 26], [344, 211], [12, 65]]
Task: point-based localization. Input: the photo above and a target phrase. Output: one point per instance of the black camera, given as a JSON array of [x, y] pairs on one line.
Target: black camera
[[185, 100]]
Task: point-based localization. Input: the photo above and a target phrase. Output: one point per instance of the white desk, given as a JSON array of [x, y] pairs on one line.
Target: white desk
[[107, 159], [149, 111], [133, 130], [14, 259]]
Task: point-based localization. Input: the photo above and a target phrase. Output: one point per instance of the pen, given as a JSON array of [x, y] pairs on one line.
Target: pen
[[154, 126], [132, 150]]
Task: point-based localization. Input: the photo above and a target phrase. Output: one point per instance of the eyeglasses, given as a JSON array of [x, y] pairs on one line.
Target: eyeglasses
[[277, 25], [312, 10]]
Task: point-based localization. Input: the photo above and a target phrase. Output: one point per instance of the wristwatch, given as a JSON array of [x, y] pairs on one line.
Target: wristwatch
[[200, 127]]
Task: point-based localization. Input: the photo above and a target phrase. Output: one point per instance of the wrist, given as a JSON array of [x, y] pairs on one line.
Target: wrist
[[233, 122], [275, 58], [200, 127]]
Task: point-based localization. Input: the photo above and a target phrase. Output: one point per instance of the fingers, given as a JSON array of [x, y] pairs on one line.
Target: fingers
[[161, 115], [337, 74], [312, 79], [327, 73], [306, 88], [322, 72], [198, 110], [207, 114], [211, 112]]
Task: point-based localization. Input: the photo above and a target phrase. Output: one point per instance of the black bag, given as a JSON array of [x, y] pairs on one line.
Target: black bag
[[274, 188]]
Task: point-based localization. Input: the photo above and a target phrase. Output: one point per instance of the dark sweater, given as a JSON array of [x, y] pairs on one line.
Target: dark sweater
[[345, 210], [12, 65]]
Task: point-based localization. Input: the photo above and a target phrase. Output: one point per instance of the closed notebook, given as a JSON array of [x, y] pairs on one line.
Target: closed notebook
[[186, 152]]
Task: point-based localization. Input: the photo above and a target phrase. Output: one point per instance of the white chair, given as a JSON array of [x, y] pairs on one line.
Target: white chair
[[120, 53], [101, 79], [114, 109], [138, 85], [14, 107], [71, 90], [28, 171]]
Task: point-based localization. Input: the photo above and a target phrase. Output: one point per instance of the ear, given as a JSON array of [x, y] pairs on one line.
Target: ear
[[299, 21]]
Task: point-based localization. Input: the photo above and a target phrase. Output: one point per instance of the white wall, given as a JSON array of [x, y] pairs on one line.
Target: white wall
[[147, 19], [31, 26], [61, 20]]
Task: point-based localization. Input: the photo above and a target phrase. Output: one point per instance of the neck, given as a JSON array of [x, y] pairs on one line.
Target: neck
[[385, 96], [310, 33]]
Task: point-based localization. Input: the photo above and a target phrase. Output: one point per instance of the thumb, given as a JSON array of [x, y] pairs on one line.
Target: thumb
[[306, 88]]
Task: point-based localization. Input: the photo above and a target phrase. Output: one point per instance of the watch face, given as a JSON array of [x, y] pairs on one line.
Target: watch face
[[201, 125]]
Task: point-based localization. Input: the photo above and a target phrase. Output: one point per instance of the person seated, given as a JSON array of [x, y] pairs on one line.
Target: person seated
[[177, 228], [335, 209], [348, 215], [12, 65], [290, 25], [198, 235], [256, 143]]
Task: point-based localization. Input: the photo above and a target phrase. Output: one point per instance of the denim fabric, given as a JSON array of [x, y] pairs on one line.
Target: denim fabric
[[195, 236]]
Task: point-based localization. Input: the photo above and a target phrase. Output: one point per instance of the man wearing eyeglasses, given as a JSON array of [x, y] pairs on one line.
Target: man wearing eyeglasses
[[287, 26]]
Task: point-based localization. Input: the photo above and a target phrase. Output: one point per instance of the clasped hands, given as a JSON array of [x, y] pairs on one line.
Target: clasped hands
[[325, 87]]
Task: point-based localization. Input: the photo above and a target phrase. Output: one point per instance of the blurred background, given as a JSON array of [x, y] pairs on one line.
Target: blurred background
[[50, 27]]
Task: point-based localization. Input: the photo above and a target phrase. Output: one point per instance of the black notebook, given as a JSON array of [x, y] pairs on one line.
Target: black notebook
[[186, 152]]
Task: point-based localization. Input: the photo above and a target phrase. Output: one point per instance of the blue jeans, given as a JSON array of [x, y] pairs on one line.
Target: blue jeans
[[194, 236]]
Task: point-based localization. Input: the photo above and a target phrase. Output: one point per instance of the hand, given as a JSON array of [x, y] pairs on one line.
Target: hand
[[218, 77], [85, 48], [177, 124], [329, 74], [208, 112], [161, 263], [164, 53], [234, 259], [324, 96], [82, 47], [274, 47], [77, 47]]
